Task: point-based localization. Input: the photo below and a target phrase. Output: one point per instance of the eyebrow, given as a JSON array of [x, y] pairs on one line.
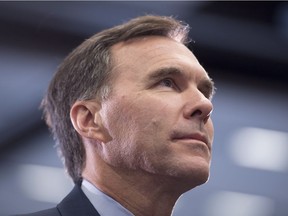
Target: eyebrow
[[206, 85], [164, 72]]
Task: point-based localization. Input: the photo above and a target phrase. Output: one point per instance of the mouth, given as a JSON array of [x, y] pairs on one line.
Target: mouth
[[192, 137]]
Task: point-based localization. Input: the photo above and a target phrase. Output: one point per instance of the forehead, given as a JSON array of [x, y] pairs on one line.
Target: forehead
[[147, 54], [149, 46]]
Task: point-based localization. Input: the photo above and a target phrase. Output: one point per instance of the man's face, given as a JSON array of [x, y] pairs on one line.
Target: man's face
[[158, 114]]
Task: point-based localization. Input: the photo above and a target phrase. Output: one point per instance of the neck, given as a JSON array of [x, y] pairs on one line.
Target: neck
[[141, 193]]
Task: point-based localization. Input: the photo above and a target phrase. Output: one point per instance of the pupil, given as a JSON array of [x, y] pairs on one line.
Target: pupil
[[167, 83]]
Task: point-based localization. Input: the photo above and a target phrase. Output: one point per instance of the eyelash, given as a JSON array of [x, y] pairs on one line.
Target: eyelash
[[171, 83], [207, 93]]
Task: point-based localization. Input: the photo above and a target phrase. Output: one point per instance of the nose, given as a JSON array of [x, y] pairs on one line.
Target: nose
[[198, 106]]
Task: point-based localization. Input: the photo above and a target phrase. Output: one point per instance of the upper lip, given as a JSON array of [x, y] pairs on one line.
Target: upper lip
[[194, 136]]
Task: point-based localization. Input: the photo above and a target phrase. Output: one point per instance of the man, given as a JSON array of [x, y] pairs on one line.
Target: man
[[130, 111]]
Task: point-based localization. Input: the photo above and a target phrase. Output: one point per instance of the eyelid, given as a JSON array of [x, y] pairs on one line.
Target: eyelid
[[167, 78], [173, 82]]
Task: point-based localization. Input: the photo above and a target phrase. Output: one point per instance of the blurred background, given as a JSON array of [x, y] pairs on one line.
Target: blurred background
[[243, 46]]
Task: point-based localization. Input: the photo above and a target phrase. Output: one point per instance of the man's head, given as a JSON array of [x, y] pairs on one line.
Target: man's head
[[156, 120], [88, 73]]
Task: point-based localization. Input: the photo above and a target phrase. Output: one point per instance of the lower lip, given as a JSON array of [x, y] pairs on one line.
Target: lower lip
[[193, 142]]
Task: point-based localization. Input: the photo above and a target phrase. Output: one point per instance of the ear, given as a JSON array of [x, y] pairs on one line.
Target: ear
[[87, 121]]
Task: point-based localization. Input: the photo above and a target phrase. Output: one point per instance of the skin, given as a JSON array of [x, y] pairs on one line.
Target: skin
[[151, 140]]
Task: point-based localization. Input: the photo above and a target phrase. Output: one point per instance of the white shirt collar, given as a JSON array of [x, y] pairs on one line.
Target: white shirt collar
[[104, 204]]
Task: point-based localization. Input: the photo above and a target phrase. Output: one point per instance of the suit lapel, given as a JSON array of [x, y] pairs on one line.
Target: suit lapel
[[76, 203]]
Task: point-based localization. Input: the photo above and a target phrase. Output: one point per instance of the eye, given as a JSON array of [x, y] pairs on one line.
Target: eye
[[167, 82]]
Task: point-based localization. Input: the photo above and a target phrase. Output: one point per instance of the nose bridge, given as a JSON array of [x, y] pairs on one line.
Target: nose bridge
[[197, 104]]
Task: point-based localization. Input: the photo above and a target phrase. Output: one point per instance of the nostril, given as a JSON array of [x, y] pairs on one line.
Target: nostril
[[196, 113], [201, 115], [200, 108]]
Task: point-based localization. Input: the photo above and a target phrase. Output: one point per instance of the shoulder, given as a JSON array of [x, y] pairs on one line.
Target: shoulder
[[47, 212], [75, 203]]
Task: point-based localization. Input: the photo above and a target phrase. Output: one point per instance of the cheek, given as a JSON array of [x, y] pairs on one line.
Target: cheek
[[135, 115], [210, 129], [132, 124]]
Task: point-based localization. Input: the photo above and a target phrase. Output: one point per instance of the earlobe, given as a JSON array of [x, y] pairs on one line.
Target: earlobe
[[87, 121]]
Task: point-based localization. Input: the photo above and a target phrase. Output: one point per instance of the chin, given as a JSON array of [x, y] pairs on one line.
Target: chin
[[201, 177], [197, 174], [191, 180]]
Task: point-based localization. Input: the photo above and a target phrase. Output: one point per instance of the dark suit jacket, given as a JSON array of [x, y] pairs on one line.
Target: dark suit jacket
[[74, 204]]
